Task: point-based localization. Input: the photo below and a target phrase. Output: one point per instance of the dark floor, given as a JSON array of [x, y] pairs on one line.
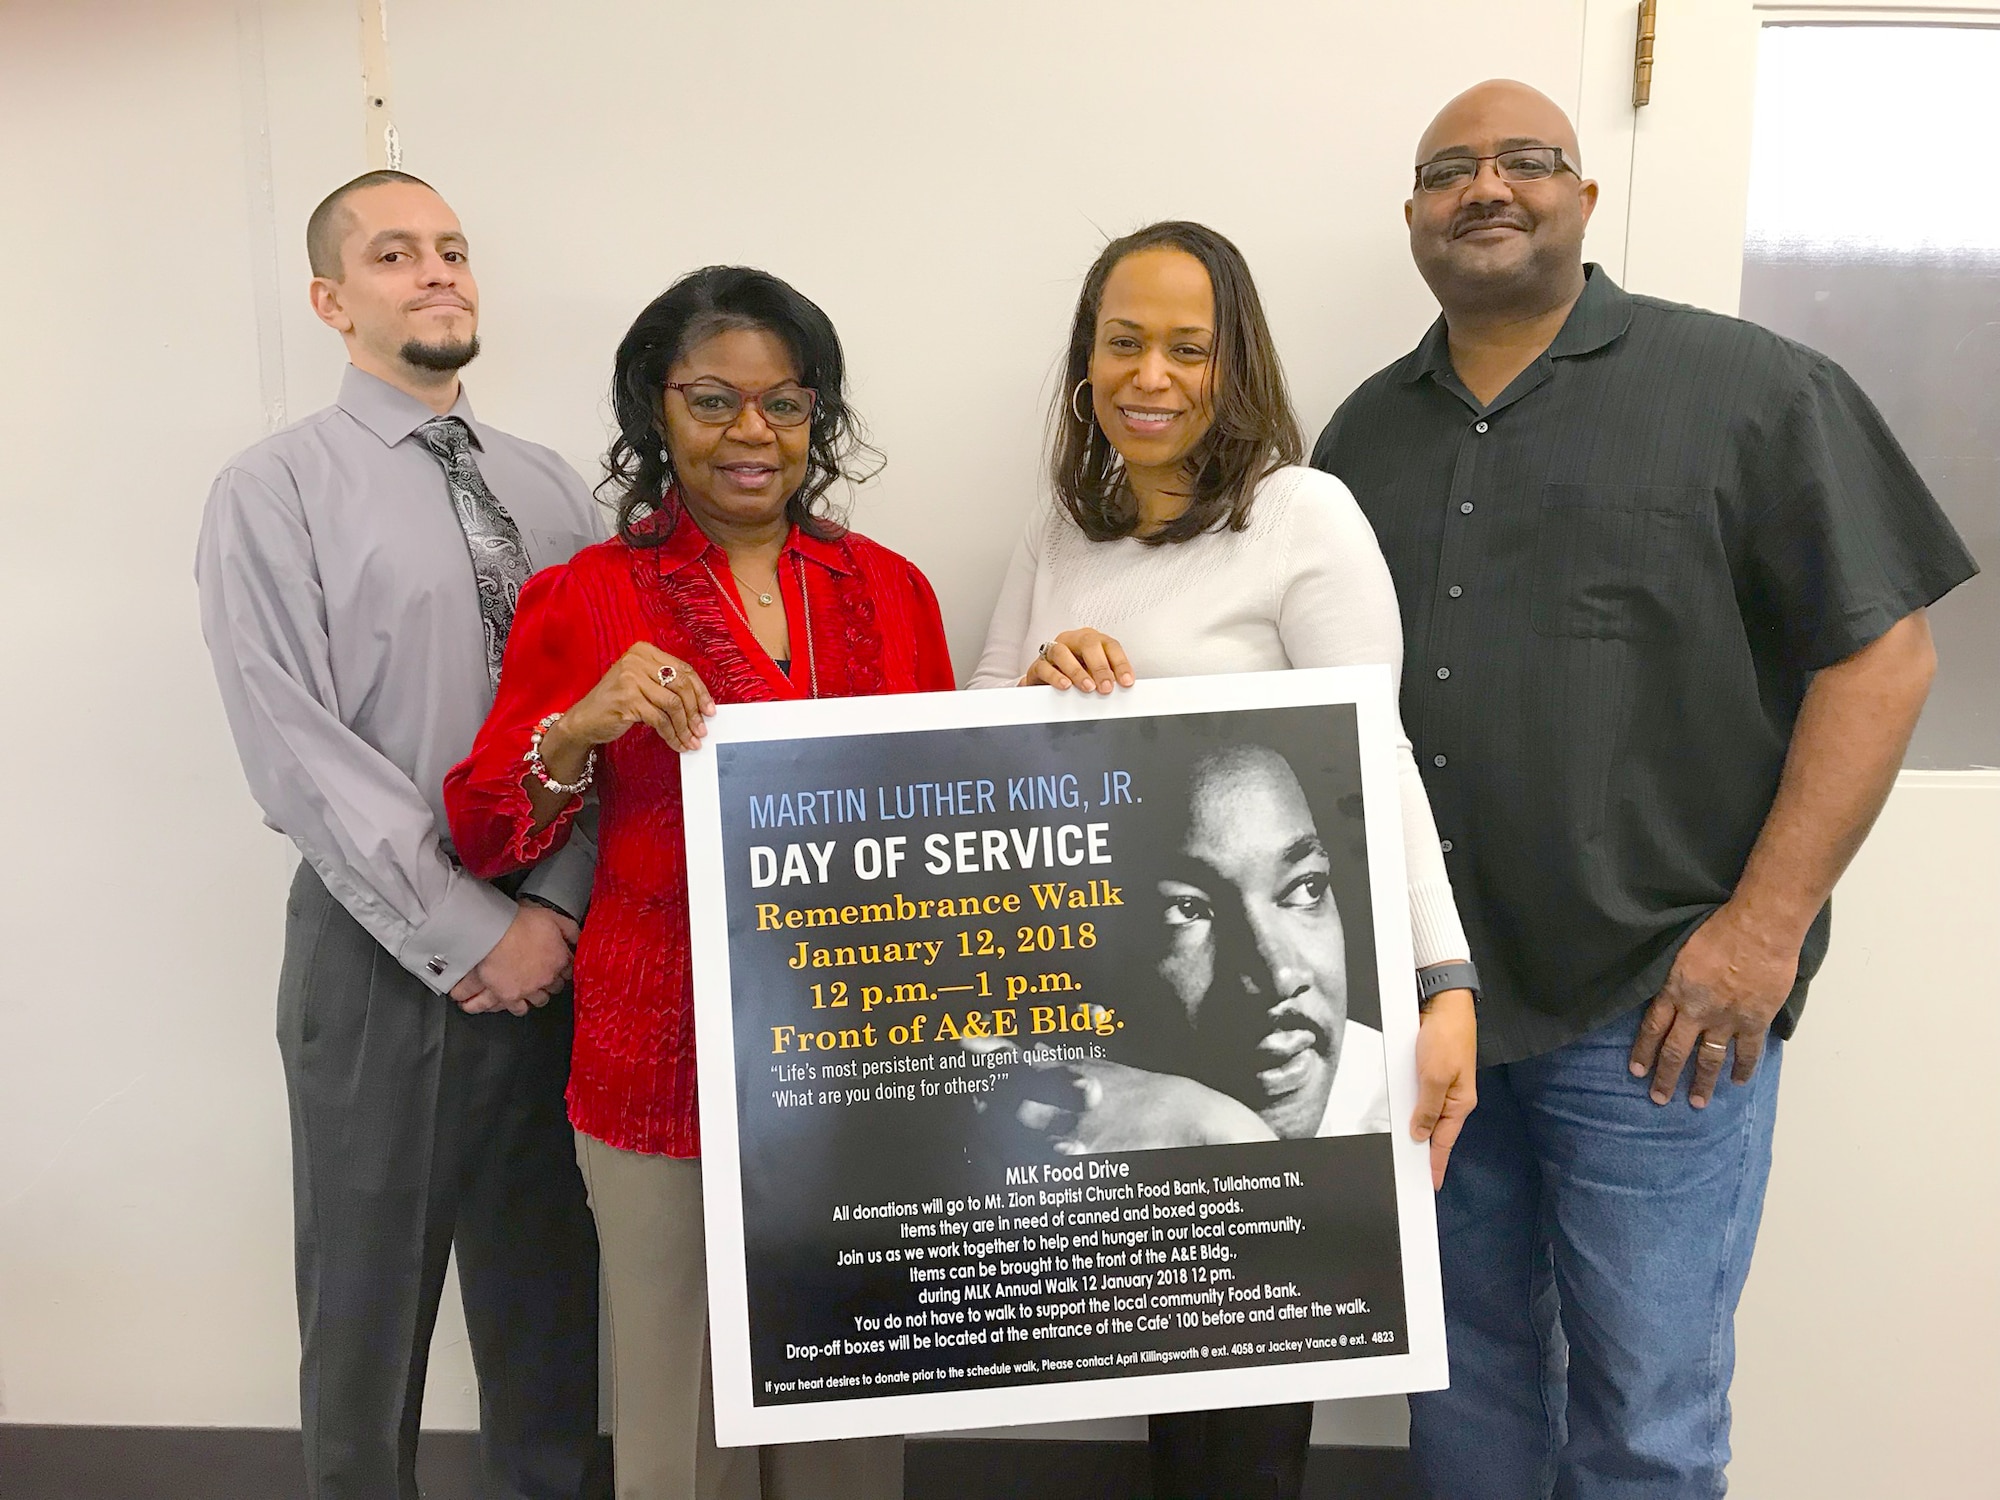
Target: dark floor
[[151, 1463]]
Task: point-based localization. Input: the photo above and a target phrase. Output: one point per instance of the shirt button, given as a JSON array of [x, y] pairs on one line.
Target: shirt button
[[1443, 672], [1456, 591], [1465, 509], [1437, 760], [1481, 427], [1445, 844]]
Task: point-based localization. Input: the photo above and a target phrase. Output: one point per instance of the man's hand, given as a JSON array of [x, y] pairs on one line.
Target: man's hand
[[528, 965], [1085, 1107], [1447, 1062], [1728, 982]]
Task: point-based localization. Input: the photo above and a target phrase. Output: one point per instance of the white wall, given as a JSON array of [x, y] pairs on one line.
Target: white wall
[[937, 176], [1868, 1331]]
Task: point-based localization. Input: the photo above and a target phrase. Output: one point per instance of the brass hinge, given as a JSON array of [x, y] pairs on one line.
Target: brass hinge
[[1642, 54]]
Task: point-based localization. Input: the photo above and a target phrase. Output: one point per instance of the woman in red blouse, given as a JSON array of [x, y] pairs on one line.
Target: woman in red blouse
[[728, 582]]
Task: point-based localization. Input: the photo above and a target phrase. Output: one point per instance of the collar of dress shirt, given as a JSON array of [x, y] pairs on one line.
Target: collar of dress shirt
[[393, 415], [1601, 316], [690, 542]]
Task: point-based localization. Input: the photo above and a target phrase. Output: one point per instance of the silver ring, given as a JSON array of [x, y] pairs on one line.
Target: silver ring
[[1043, 653], [667, 674], [1718, 1046]]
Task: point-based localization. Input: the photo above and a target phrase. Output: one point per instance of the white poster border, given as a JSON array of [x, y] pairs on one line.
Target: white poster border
[[738, 1420]]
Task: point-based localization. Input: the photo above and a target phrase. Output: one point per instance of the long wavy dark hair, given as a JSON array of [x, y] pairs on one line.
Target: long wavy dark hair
[[638, 471], [1254, 431]]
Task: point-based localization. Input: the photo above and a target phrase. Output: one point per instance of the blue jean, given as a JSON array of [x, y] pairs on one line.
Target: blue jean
[[1594, 1246]]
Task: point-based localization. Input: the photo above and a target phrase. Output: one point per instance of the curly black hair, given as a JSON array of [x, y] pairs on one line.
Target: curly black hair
[[638, 471]]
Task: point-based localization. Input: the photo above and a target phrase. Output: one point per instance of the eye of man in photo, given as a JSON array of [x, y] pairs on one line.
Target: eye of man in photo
[[1310, 889], [1186, 906]]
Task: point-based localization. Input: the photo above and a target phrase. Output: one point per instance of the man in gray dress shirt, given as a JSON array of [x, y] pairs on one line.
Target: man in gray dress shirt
[[357, 574]]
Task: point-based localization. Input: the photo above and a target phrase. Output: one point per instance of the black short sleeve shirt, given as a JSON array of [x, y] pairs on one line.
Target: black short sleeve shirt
[[1616, 581]]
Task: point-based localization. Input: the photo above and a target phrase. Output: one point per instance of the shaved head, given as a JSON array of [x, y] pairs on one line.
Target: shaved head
[[331, 223], [1492, 242], [1523, 114]]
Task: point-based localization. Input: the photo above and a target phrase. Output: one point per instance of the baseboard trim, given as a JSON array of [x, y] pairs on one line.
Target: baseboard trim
[[249, 1463]]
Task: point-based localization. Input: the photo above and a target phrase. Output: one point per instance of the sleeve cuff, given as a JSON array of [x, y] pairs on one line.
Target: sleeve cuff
[[446, 946], [563, 880], [1436, 934]]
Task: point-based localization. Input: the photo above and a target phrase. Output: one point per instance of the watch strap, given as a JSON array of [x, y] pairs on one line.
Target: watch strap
[[1435, 980]]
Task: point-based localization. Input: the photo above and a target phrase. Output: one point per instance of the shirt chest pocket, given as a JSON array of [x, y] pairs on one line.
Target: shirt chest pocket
[[1618, 562]]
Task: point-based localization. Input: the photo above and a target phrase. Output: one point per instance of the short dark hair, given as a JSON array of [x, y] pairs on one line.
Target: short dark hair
[[327, 227], [1254, 430], [638, 472]]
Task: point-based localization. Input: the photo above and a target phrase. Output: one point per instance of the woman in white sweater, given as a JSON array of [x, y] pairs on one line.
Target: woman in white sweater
[[1185, 538]]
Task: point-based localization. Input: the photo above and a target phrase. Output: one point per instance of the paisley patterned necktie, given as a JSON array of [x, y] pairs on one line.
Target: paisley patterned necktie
[[499, 561]]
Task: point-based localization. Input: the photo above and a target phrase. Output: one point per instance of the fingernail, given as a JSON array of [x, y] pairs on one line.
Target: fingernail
[[1660, 1098], [1699, 1101], [1638, 1070]]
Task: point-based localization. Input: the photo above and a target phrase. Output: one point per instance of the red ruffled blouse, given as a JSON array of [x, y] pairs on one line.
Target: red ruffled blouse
[[874, 629]]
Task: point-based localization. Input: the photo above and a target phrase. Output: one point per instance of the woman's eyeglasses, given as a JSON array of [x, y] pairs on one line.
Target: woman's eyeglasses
[[714, 403]]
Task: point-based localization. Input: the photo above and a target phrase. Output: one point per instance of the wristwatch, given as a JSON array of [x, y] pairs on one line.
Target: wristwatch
[[1438, 978]]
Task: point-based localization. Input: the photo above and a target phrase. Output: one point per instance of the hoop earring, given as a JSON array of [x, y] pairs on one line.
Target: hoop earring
[[1072, 402]]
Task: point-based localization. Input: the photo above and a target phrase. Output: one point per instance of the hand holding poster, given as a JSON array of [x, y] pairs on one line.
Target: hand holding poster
[[1056, 1056]]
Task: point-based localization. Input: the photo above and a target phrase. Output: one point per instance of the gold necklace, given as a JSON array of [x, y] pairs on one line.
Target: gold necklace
[[805, 606]]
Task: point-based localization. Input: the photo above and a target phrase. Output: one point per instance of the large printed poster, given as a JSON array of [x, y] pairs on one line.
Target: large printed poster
[[1056, 1056]]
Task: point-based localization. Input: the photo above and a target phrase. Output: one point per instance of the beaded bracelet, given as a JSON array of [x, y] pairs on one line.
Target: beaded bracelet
[[538, 768]]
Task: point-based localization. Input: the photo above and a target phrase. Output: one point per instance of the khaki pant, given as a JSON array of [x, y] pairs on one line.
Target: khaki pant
[[649, 1229]]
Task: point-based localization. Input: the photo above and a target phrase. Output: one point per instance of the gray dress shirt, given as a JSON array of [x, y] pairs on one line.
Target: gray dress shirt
[[338, 603]]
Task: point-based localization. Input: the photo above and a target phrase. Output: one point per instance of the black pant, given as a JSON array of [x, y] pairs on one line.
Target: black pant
[[1250, 1453], [417, 1129]]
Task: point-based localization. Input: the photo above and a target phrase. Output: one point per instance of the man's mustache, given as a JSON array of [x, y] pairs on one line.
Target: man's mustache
[[1469, 219], [1289, 1015], [1244, 1029]]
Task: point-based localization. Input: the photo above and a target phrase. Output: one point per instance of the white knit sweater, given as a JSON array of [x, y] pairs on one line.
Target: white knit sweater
[[1303, 586]]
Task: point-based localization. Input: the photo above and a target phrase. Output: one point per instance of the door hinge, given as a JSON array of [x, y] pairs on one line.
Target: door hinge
[[1642, 54]]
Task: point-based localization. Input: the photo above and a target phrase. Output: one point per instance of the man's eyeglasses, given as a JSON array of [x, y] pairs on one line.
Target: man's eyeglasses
[[1448, 174], [715, 404]]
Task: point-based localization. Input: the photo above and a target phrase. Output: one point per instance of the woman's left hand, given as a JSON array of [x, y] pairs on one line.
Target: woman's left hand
[[1447, 1063], [1086, 659]]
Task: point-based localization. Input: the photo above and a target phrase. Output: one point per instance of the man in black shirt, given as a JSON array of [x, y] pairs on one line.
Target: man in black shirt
[[1662, 576]]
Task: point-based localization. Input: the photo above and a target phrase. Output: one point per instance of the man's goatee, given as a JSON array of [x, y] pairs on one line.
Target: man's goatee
[[451, 356]]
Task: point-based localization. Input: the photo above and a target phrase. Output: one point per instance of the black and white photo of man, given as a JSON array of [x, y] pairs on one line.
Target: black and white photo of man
[[1256, 955], [1232, 980]]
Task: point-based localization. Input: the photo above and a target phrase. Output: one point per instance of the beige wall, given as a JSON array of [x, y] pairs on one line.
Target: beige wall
[[938, 177], [1867, 1335]]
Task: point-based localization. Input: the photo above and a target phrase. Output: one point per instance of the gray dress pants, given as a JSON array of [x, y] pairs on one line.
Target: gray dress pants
[[416, 1129]]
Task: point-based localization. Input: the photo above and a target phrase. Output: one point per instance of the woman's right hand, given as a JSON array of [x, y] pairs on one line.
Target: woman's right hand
[[632, 693], [1086, 659]]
